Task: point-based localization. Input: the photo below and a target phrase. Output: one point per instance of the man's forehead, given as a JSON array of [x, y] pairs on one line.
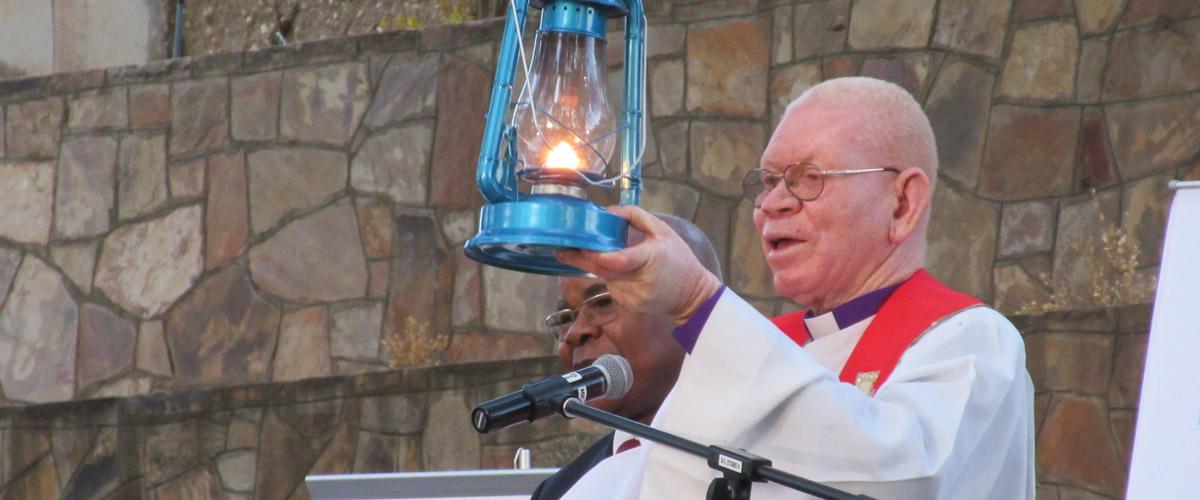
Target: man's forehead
[[579, 289], [808, 132]]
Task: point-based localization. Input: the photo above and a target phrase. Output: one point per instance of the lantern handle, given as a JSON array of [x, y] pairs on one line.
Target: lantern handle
[[633, 142], [496, 178]]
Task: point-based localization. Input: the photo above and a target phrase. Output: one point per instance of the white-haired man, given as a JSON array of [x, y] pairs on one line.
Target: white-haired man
[[903, 388]]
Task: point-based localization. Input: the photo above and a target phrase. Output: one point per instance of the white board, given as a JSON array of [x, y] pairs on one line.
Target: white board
[[1166, 447]]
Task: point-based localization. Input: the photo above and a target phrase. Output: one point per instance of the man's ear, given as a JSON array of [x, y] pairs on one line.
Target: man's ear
[[912, 191]]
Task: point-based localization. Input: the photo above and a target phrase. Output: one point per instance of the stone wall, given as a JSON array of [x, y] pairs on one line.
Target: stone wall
[[259, 441], [290, 213]]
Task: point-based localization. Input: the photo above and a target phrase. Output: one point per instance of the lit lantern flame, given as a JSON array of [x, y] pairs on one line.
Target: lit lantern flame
[[562, 156]]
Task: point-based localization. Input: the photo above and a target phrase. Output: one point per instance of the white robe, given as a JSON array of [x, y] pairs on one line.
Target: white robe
[[954, 420]]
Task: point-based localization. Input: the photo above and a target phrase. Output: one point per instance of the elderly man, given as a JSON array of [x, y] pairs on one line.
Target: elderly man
[[590, 324], [903, 388]]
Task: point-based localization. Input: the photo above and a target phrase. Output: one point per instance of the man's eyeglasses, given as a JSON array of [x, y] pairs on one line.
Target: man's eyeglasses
[[595, 310], [804, 180]]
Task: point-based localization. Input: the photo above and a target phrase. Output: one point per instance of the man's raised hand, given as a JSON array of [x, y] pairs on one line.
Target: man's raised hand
[[658, 274]]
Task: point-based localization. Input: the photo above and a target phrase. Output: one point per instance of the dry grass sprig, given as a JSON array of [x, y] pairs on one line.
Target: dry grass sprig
[[415, 345]]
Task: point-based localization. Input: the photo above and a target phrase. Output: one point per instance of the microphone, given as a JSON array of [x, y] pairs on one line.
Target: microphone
[[610, 377]]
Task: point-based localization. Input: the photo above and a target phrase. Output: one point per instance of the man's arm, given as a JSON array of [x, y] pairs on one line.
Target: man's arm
[[944, 423]]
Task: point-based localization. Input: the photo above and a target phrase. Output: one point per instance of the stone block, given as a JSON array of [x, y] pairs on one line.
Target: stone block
[[506, 309], [26, 201], [1028, 10], [225, 220], [1026, 228], [375, 225], [39, 481], [187, 179], [837, 66], [380, 275], [465, 309], [382, 453], [38, 336], [324, 104], [1149, 136], [105, 108], [1144, 11], [1092, 56], [1030, 152], [222, 333], [1076, 446], [723, 152], [141, 175], [69, 446], [1098, 170], [474, 347], [145, 267], [673, 149], [727, 68], [663, 196], [303, 350], [199, 116], [152, 355], [788, 82], [971, 27], [33, 128], [713, 216], [1041, 63], [448, 442], [962, 241], [781, 35], [338, 455], [1077, 261], [422, 280], [395, 163], [820, 28], [910, 71], [1070, 361], [106, 344], [1145, 216], [286, 180], [748, 272], [314, 258], [355, 330], [1016, 290], [958, 107], [26, 38], [458, 226], [408, 89], [149, 105], [86, 169], [236, 469], [399, 414], [255, 107], [463, 93], [1097, 16], [666, 87], [285, 456], [77, 261], [879, 24], [1123, 425], [1125, 389], [1150, 60]]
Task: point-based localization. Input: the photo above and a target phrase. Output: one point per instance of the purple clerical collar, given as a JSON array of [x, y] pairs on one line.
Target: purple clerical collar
[[858, 309]]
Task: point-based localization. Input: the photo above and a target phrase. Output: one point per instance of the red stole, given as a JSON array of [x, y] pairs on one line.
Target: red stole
[[915, 306]]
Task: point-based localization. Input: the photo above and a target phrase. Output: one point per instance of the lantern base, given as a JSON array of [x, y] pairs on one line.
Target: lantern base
[[523, 235]]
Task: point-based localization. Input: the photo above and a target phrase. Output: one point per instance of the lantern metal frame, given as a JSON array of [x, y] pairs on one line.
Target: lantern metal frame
[[520, 231]]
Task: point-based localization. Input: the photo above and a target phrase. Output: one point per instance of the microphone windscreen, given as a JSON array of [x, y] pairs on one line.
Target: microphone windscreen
[[620, 375]]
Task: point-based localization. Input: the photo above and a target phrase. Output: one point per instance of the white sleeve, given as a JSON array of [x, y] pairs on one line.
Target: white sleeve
[[954, 420]]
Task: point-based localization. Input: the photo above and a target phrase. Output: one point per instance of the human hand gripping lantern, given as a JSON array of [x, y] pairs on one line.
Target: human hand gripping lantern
[[560, 136]]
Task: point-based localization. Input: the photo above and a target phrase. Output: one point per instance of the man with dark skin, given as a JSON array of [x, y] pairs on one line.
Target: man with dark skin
[[589, 323]]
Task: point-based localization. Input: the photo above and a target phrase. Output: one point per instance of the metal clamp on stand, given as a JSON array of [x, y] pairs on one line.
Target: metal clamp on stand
[[738, 468]]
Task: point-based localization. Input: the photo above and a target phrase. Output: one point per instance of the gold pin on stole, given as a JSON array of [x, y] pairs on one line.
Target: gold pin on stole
[[865, 382]]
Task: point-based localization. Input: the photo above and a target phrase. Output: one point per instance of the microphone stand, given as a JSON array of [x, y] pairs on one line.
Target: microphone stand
[[738, 468]]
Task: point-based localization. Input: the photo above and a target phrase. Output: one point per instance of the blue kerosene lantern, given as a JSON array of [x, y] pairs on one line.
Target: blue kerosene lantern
[[560, 136]]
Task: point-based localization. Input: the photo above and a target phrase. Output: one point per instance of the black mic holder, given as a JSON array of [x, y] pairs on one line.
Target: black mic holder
[[738, 468]]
